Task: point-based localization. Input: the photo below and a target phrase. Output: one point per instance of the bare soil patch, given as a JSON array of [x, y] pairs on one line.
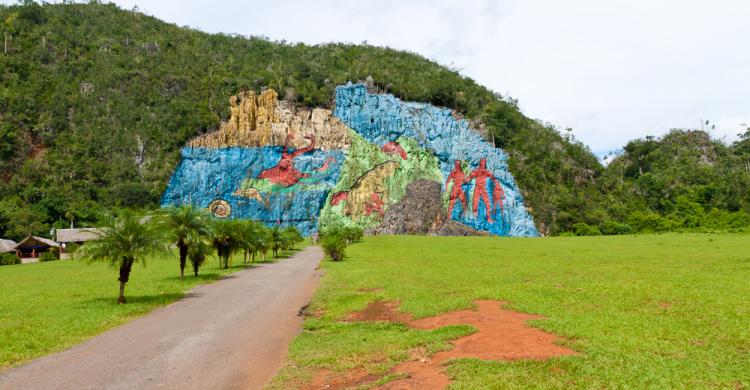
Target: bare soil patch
[[380, 311], [501, 335]]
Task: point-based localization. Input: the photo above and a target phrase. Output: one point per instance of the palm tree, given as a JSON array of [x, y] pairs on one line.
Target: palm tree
[[124, 241], [197, 254], [264, 241], [292, 237], [226, 238], [253, 237], [185, 224], [277, 240]]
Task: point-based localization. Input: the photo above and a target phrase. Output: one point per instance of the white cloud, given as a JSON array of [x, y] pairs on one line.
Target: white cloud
[[612, 70]]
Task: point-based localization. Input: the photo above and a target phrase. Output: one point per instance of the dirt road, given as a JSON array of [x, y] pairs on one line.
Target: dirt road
[[232, 334]]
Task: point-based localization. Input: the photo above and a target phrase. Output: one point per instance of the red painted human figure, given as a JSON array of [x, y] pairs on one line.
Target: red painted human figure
[[497, 195], [284, 173], [481, 174], [457, 192]]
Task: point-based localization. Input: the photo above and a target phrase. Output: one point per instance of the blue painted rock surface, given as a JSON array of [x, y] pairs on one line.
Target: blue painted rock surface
[[230, 175], [383, 118]]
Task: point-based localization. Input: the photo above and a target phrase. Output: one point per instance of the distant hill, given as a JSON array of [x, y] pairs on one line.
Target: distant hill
[[684, 180], [96, 101]]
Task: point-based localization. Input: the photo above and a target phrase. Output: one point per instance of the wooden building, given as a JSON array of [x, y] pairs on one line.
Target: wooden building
[[66, 237], [32, 246]]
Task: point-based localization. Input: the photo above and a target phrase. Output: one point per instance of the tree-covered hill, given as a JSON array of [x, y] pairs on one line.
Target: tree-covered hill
[[96, 101], [684, 180]]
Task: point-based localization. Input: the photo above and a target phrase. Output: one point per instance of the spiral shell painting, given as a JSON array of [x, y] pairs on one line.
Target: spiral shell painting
[[220, 208]]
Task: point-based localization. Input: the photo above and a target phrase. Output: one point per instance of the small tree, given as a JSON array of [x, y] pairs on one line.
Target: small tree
[[197, 254], [277, 240], [353, 234], [292, 237], [334, 246], [124, 241], [226, 239], [250, 236], [264, 241], [185, 224]]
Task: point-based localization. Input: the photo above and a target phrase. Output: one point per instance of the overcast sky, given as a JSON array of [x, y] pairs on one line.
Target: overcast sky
[[611, 70]]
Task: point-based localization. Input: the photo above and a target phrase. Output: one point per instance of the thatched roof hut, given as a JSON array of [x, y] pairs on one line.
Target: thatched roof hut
[[7, 246], [32, 246], [78, 236]]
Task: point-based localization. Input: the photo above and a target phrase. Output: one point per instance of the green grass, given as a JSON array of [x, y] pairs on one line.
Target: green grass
[[648, 311], [47, 307]]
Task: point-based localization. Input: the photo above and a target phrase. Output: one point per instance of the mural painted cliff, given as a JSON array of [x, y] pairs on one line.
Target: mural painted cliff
[[280, 164]]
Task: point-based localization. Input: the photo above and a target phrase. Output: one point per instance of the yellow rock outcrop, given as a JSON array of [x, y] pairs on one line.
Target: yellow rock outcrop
[[258, 120], [373, 181]]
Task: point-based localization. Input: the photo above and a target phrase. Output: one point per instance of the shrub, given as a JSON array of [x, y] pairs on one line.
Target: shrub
[[584, 229], [48, 256], [611, 228], [334, 246], [722, 219], [197, 253], [291, 237], [9, 259], [72, 247], [353, 233], [648, 222]]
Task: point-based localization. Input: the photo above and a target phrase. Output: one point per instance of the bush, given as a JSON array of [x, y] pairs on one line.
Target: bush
[[72, 247], [291, 237], [648, 222], [48, 256], [722, 219], [9, 259], [353, 234], [584, 229], [611, 228], [334, 245]]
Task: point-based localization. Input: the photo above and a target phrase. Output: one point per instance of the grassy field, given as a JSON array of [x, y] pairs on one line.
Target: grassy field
[[47, 307], [648, 311]]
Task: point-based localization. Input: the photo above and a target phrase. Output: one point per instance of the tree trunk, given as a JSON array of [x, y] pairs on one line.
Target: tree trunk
[[245, 261], [5, 49], [121, 298], [253, 259], [125, 267], [183, 257]]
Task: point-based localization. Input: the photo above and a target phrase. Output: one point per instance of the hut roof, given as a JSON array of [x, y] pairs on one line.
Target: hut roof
[[29, 241], [7, 246], [78, 235]]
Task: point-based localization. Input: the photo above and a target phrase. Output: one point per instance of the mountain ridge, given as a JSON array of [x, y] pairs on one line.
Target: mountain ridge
[[97, 101]]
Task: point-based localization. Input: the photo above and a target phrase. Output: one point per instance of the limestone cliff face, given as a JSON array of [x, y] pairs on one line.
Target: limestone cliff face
[[419, 211], [376, 162], [261, 120]]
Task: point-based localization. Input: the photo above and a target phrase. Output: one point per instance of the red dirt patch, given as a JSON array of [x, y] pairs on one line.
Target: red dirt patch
[[380, 311], [502, 335]]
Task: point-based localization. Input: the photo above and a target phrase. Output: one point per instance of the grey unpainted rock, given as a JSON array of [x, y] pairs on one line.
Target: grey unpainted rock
[[419, 210]]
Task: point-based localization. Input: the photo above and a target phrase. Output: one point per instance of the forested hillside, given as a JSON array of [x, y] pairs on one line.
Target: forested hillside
[[684, 180], [96, 101]]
